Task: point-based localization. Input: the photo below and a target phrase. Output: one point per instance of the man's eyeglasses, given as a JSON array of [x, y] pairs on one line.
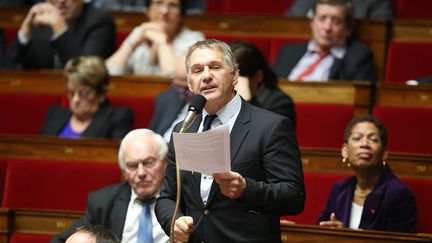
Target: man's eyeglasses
[[169, 5]]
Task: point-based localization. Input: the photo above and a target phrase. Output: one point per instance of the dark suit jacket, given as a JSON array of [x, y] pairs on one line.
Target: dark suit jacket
[[390, 206], [107, 206], [167, 106], [273, 99], [357, 64], [108, 122], [264, 151], [93, 33]]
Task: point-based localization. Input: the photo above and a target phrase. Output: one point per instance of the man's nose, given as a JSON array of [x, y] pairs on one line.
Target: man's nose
[[207, 75]]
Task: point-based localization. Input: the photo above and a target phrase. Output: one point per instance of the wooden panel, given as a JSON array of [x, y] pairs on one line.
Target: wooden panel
[[307, 233], [54, 148], [393, 94], [105, 151], [330, 160], [52, 82], [42, 222], [411, 30], [4, 225], [348, 93]]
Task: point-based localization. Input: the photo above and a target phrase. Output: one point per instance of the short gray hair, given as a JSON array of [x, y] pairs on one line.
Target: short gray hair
[[212, 43], [138, 134]]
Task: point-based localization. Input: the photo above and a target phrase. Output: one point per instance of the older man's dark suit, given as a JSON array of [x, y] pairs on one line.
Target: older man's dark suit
[[108, 122], [93, 33], [167, 106], [357, 64], [107, 206], [264, 151]]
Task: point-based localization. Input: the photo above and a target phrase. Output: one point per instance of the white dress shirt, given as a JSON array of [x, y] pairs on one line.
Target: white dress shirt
[[227, 115]]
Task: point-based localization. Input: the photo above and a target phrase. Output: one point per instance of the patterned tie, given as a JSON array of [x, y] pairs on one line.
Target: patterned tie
[[312, 66], [145, 228]]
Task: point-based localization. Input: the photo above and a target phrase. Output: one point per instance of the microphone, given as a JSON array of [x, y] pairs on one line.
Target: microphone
[[196, 105]]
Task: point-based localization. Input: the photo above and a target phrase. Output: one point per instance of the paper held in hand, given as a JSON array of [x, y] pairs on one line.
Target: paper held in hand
[[207, 152]]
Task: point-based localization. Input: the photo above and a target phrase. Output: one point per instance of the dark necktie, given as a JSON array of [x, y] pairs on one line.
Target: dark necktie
[[208, 121], [145, 228]]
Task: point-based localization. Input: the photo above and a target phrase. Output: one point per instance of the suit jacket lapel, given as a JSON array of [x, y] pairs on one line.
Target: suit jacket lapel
[[118, 215], [99, 120]]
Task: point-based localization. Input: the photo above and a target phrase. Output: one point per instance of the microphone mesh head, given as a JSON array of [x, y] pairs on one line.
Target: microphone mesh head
[[197, 103]]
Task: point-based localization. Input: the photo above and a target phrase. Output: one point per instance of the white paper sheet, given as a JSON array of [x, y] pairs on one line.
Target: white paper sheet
[[206, 152]]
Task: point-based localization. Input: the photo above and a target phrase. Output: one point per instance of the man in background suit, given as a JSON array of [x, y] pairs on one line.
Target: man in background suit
[[266, 179], [364, 9], [171, 106], [332, 53], [142, 159], [54, 31]]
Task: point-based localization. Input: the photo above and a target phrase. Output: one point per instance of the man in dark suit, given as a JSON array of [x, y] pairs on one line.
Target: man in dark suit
[[266, 177], [54, 31], [332, 53], [142, 159]]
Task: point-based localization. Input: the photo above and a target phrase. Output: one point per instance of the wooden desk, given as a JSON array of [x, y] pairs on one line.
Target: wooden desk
[[52, 82], [330, 160], [4, 225], [356, 93], [105, 151], [411, 30], [394, 94], [308, 233], [54, 148]]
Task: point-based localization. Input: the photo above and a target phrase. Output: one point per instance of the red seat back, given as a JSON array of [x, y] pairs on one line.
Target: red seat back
[[3, 165], [55, 185], [26, 238], [142, 107], [251, 7], [408, 60], [322, 125], [414, 9], [421, 188], [409, 129], [318, 187], [25, 113]]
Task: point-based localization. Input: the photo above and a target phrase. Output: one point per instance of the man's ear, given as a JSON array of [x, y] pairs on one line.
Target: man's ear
[[235, 75]]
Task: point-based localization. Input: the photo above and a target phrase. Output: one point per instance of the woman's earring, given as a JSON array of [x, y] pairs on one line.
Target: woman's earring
[[384, 163], [343, 160]]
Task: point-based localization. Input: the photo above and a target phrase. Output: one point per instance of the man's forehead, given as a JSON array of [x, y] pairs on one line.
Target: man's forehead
[[206, 55], [331, 9]]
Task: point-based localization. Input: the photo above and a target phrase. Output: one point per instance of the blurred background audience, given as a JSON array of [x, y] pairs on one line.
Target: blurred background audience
[[154, 46], [89, 114]]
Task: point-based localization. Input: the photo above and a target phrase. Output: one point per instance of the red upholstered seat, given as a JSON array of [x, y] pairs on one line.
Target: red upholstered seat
[[19, 108], [3, 165], [252, 7], [318, 186], [421, 188], [55, 185], [263, 43], [29, 238], [10, 34], [322, 125], [142, 107], [414, 9], [408, 60], [409, 129]]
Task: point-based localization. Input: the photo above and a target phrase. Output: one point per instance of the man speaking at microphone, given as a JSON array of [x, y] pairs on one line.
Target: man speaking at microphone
[[266, 177]]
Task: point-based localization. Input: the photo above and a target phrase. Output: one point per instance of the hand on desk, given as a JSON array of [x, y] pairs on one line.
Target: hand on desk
[[333, 222], [232, 184]]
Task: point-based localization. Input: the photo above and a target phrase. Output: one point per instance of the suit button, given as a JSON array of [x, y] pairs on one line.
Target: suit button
[[206, 212]]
